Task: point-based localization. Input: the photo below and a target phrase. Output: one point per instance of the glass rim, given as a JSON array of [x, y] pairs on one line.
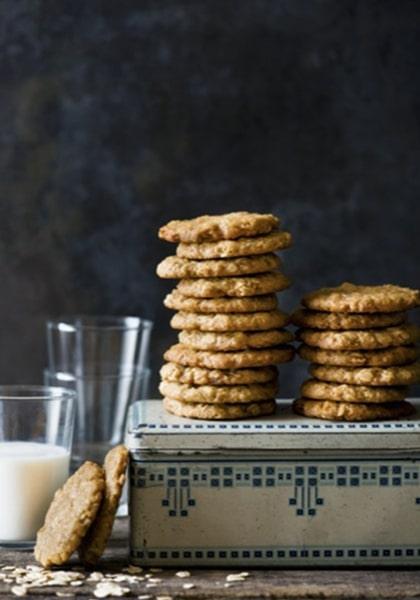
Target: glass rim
[[139, 372], [70, 323], [35, 393]]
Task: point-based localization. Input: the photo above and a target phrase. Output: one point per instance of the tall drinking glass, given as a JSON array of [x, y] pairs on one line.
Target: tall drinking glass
[[36, 428], [104, 360]]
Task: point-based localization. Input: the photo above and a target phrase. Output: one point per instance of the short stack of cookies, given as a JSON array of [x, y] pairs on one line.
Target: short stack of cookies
[[231, 330], [362, 351]]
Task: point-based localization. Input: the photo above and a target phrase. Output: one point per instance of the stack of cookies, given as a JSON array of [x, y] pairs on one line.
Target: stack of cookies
[[362, 351], [231, 331]]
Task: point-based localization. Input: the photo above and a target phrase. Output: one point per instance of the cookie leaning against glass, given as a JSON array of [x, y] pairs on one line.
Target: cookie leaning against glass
[[231, 331], [362, 351], [82, 512]]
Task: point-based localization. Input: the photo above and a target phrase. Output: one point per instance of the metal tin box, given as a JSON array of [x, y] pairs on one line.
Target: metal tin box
[[275, 491]]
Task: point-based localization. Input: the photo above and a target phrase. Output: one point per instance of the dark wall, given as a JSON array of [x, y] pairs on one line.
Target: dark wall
[[118, 116]]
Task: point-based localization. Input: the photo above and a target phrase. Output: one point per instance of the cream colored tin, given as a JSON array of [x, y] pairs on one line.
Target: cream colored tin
[[275, 491]]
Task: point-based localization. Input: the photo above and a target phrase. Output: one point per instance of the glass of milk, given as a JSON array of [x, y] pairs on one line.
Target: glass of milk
[[36, 430]]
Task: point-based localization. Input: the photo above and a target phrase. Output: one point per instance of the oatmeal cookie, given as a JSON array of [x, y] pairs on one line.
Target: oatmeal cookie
[[361, 339], [71, 513], [256, 321], [177, 301], [278, 240], [335, 320], [219, 411], [342, 392], [202, 376], [212, 228], [173, 267], [348, 411], [401, 375], [253, 285], [351, 298], [228, 360], [94, 544], [399, 355], [218, 394], [234, 340]]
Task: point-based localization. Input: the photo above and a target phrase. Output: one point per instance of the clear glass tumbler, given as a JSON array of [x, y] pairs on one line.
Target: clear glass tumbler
[[104, 360], [36, 429], [100, 346], [101, 409]]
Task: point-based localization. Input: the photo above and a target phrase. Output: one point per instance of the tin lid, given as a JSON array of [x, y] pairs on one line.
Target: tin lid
[[151, 428]]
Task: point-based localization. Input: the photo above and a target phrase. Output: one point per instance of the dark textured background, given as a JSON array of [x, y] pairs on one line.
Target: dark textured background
[[117, 116]]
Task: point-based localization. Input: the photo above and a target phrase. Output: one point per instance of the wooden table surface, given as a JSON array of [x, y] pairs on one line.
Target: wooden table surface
[[211, 583]]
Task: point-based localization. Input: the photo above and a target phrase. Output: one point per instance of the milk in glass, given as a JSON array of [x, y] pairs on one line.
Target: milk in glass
[[30, 473]]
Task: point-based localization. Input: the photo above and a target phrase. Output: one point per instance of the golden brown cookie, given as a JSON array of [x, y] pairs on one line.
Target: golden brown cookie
[[94, 544], [219, 411], [342, 392], [201, 376], [173, 267], [211, 228], [334, 320], [361, 339], [71, 513], [218, 394], [254, 285], [348, 297], [347, 411], [278, 240], [234, 340], [177, 301], [256, 321], [401, 375], [228, 360], [400, 355]]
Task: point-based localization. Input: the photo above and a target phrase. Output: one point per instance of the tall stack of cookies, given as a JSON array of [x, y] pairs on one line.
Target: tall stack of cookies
[[232, 333], [362, 351]]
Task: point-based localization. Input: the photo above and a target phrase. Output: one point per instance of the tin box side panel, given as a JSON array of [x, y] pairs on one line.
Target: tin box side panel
[[154, 430], [219, 511]]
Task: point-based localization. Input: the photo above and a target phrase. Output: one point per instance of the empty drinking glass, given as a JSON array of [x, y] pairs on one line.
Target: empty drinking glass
[[104, 360]]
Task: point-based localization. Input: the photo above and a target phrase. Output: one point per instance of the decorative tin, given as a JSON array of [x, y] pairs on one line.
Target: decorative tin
[[275, 491]]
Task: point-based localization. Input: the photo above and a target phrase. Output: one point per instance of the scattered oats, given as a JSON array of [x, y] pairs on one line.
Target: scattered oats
[[188, 586], [19, 590], [76, 583], [8, 580], [64, 594], [235, 577], [145, 597], [9, 568], [133, 570], [108, 589], [164, 598], [228, 585], [95, 576], [183, 574], [34, 568], [244, 574], [150, 585], [155, 580]]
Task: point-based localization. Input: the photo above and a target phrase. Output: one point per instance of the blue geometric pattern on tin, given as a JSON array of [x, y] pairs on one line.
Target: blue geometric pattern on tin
[[287, 554], [305, 481], [278, 426]]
